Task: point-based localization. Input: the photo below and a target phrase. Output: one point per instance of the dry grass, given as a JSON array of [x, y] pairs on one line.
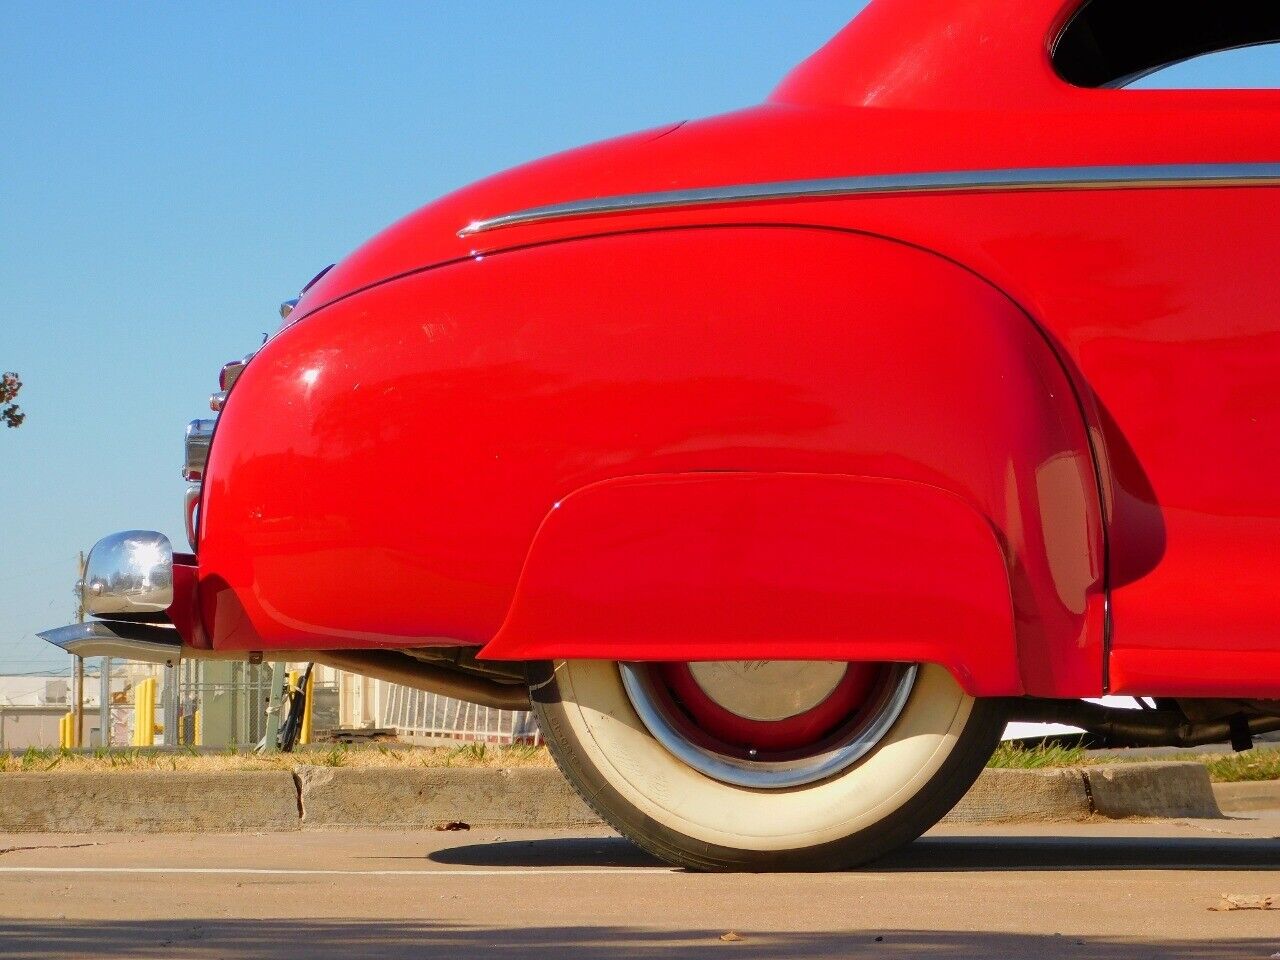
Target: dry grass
[[1256, 764], [119, 760], [1260, 763], [1010, 756]]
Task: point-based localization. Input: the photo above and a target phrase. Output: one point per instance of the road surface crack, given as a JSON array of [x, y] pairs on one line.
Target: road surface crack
[[48, 846]]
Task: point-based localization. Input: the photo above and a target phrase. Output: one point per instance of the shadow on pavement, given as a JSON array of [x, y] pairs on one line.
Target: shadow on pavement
[[927, 855], [548, 852], [348, 939]]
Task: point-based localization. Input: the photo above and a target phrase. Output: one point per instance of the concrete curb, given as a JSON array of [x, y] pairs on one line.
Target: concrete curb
[[1123, 790], [148, 801], [1005, 795], [1248, 796], [318, 798], [408, 798]]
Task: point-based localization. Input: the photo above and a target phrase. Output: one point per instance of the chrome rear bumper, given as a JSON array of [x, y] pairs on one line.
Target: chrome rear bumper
[[143, 600]]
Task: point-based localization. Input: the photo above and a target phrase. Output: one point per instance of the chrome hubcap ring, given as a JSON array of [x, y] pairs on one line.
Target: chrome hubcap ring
[[845, 749]]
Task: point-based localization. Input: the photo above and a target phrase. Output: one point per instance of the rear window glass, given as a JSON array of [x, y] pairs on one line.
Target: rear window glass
[[1113, 43]]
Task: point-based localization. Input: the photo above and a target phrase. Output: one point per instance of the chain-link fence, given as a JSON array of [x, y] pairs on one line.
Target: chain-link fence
[[223, 708], [224, 703], [198, 703]]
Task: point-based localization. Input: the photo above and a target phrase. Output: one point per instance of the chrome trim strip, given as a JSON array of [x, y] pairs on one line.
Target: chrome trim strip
[[1031, 178], [190, 511]]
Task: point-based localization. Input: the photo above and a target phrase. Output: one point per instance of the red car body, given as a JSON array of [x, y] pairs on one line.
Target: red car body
[[1022, 428], [1007, 400], [776, 461]]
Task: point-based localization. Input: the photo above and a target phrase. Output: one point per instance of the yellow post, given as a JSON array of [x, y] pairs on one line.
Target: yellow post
[[305, 735], [64, 731], [197, 736], [144, 713], [141, 718], [149, 725], [139, 696]]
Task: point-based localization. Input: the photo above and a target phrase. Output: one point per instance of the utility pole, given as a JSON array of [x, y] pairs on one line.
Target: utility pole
[[275, 708], [104, 704], [77, 736]]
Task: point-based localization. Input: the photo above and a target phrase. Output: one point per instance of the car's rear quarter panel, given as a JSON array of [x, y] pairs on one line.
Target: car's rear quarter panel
[[382, 467]]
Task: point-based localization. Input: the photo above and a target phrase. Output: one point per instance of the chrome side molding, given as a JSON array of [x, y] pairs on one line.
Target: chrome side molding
[[1137, 177]]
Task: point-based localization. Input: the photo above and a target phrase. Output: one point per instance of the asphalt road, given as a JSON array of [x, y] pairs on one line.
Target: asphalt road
[[1095, 892]]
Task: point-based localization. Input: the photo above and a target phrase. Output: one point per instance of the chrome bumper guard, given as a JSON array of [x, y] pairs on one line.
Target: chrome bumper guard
[[128, 585]]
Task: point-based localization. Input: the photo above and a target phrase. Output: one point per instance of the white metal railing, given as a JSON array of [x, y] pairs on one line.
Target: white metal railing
[[428, 715]]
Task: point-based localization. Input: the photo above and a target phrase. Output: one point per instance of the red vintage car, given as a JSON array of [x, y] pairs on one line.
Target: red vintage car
[[779, 458]]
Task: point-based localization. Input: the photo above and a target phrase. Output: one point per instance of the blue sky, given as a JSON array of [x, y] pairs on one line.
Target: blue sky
[[170, 172]]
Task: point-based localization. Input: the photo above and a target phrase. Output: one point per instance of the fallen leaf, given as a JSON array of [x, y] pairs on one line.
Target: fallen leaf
[[730, 937], [1236, 901], [453, 825]]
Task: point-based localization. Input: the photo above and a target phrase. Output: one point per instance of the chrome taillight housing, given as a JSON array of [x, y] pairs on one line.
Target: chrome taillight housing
[[199, 436], [227, 378], [195, 457]]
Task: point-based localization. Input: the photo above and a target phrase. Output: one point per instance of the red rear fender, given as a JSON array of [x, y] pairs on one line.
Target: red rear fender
[[739, 566], [382, 468]]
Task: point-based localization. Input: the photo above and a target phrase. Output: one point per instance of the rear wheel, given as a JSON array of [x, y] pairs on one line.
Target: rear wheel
[[764, 765]]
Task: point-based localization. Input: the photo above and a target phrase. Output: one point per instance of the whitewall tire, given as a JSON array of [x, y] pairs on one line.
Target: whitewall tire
[[921, 762]]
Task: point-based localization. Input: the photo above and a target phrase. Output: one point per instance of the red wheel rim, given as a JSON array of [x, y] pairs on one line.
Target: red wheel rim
[[809, 728]]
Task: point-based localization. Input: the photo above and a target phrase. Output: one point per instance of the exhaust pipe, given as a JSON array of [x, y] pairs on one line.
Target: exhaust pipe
[[398, 668], [1141, 728]]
